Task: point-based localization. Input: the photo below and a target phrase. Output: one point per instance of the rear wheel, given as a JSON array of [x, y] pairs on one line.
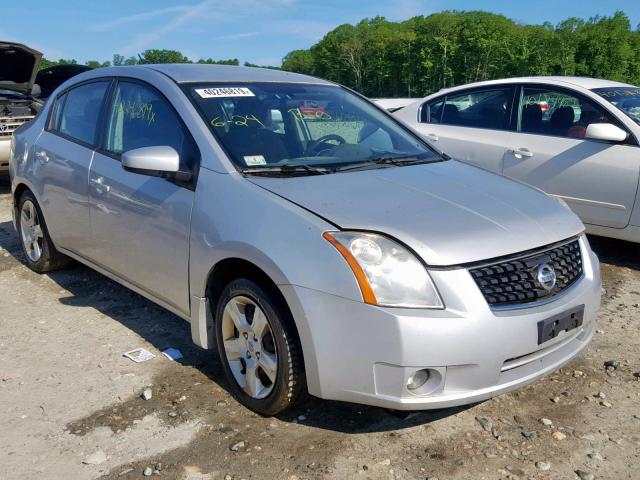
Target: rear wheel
[[40, 254], [258, 348]]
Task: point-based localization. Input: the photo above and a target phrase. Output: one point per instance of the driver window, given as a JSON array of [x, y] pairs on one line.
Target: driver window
[[551, 112], [140, 117]]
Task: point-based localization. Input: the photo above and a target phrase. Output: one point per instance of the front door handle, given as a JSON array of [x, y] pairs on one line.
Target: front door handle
[[42, 156], [432, 136], [522, 152], [100, 187]]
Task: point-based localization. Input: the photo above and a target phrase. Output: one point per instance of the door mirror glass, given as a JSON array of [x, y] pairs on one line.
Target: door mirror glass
[[606, 131], [151, 160]]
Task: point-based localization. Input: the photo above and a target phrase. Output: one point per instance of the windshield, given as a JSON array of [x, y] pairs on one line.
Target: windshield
[[626, 99], [309, 128]]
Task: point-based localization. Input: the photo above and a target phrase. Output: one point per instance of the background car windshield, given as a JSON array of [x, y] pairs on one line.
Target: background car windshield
[[626, 99], [280, 124]]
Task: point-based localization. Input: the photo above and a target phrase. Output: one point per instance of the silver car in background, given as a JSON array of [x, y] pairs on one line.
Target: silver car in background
[[324, 250], [576, 138]]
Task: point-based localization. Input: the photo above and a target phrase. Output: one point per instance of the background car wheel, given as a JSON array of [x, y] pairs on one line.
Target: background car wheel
[[40, 254], [258, 348]]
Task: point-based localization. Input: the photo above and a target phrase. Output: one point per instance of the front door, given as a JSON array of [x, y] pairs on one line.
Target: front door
[[598, 180], [140, 224]]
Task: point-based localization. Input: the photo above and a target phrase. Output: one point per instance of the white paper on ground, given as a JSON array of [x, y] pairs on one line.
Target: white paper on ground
[[139, 355]]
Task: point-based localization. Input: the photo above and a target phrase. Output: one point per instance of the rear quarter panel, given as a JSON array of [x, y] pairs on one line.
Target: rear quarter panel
[[20, 162]]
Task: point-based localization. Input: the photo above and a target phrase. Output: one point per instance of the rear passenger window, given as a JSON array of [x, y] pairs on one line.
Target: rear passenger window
[[57, 112], [479, 109], [140, 117], [550, 112], [80, 112], [432, 112]]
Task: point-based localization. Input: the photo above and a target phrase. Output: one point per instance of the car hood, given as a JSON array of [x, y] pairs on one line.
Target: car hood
[[51, 78], [18, 67], [448, 212]]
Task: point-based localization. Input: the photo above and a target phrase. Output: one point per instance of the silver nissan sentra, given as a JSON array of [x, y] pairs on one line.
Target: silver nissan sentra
[[316, 243]]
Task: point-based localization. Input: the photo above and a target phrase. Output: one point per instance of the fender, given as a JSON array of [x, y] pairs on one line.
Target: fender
[[201, 315]]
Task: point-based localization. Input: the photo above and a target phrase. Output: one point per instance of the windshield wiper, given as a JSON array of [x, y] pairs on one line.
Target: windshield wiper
[[287, 170], [410, 160]]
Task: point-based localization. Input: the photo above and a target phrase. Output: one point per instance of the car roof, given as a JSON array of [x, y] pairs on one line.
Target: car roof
[[192, 73], [583, 82]]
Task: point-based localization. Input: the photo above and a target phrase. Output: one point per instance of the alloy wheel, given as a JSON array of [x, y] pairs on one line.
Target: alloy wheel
[[31, 231], [249, 346]]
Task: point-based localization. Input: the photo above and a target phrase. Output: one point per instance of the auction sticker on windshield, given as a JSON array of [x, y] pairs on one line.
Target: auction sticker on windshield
[[253, 160], [224, 92]]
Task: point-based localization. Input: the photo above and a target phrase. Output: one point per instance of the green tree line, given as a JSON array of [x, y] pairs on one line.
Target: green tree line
[[146, 57], [421, 55]]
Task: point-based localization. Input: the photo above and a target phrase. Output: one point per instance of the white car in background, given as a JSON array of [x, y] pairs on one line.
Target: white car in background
[[575, 138], [393, 104]]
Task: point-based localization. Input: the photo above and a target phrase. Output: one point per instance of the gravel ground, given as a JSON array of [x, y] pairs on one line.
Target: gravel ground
[[71, 406]]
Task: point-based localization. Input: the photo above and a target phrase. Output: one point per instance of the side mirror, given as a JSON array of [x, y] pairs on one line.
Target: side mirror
[[606, 131], [151, 160]]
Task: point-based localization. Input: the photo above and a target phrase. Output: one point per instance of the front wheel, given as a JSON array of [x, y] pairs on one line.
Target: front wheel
[[258, 348]]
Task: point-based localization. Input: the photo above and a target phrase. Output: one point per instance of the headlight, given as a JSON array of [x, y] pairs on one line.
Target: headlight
[[388, 274]]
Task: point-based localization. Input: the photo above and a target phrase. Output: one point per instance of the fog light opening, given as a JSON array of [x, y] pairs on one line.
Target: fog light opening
[[418, 379]]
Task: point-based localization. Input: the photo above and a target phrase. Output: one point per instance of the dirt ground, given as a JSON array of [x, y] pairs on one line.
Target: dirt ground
[[70, 404]]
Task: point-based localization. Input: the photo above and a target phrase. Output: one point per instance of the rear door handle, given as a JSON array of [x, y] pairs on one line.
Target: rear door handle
[[522, 153], [100, 187], [42, 156], [432, 136]]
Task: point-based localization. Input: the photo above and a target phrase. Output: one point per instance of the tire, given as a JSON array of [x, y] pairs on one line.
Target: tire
[[39, 252], [257, 342]]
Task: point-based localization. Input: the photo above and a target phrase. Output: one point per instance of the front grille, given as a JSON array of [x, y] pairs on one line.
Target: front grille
[[9, 124], [511, 282]]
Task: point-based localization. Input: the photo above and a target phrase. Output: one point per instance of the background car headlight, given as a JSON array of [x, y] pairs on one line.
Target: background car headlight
[[388, 274]]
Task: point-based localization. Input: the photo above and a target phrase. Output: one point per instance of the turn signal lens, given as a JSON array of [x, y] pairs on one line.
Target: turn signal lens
[[367, 293]]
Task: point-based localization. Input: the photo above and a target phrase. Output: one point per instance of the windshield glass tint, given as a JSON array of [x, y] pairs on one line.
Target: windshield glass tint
[[267, 125], [626, 99]]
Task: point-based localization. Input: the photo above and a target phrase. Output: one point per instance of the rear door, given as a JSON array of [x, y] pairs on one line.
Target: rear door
[[140, 224], [597, 179], [63, 154], [473, 125]]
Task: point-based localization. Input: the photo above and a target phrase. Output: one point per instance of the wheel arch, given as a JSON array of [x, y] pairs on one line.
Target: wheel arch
[[231, 268], [219, 275], [17, 194]]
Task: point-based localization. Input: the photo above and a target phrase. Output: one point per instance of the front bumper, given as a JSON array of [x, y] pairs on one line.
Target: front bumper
[[359, 353]]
